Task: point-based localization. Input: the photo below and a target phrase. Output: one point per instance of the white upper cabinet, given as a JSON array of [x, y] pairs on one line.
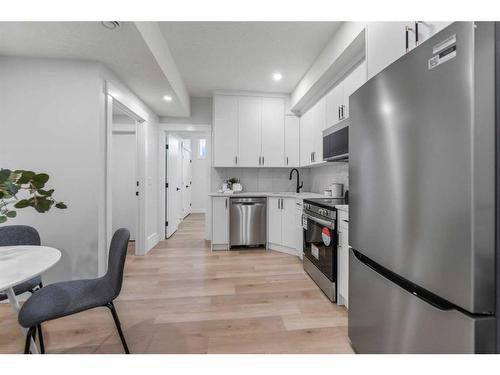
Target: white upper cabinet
[[334, 101], [225, 131], [388, 41], [257, 135], [351, 83], [273, 132], [249, 124], [385, 43], [318, 127], [292, 141], [312, 124]]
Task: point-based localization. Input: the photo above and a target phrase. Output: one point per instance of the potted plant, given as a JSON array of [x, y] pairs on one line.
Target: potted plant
[[234, 184], [31, 187]]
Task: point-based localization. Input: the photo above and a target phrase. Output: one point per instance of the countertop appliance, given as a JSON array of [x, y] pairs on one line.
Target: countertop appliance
[[336, 142], [247, 218], [320, 243], [337, 190], [422, 170]]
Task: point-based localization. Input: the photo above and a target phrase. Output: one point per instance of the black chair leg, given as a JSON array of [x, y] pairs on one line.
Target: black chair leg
[[40, 339], [111, 306], [29, 335]]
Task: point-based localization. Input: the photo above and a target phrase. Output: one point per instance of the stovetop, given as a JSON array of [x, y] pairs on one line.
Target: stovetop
[[328, 203]]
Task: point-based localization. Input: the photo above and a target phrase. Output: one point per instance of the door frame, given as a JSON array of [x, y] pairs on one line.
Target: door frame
[[115, 96], [164, 130]]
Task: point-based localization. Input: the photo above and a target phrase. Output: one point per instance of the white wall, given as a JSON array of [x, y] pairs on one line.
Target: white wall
[[201, 113], [53, 115], [50, 122]]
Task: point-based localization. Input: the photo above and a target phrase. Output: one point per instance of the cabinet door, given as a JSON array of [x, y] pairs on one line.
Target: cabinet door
[[274, 220], [351, 83], [273, 132], [225, 131], [288, 223], [427, 29], [319, 125], [249, 130], [334, 99], [220, 220], [385, 43], [306, 138], [292, 141], [343, 262]]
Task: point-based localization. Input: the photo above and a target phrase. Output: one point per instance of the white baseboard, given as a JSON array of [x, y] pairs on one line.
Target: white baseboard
[[219, 246], [152, 240], [283, 249]]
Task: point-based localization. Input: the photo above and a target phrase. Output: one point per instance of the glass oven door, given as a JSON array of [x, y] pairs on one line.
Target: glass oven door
[[320, 244]]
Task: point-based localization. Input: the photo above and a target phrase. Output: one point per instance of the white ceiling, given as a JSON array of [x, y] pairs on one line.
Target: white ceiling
[[123, 50], [243, 55]]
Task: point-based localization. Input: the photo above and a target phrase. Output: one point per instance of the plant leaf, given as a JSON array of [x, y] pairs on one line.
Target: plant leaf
[[11, 214], [4, 174], [46, 193], [3, 219], [26, 176], [39, 180], [43, 204], [22, 203], [61, 205]]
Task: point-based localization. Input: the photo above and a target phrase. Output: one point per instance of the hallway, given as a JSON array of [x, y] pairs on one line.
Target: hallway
[[182, 298]]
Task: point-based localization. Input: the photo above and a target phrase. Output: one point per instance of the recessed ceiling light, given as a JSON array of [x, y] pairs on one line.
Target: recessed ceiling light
[[111, 25], [277, 76], [167, 98]]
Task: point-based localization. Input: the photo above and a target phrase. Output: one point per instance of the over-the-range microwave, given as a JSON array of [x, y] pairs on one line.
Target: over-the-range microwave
[[336, 142]]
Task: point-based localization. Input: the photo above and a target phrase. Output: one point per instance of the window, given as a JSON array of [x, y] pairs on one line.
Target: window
[[202, 149]]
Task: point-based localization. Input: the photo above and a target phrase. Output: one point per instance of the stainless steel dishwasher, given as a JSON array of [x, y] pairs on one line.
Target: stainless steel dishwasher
[[247, 219]]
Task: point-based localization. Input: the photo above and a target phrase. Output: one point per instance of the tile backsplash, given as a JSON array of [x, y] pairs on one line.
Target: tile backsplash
[[315, 179], [260, 179]]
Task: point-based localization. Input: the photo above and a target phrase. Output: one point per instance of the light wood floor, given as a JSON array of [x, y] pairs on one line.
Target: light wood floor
[[181, 298]]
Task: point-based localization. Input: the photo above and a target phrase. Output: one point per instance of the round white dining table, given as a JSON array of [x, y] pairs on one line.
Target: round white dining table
[[21, 263]]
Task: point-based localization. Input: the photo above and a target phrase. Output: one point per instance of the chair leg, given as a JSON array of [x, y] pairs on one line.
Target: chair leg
[[40, 339], [111, 306], [29, 335]]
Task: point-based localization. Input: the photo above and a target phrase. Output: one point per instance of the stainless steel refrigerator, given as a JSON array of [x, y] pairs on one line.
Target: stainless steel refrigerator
[[423, 206]]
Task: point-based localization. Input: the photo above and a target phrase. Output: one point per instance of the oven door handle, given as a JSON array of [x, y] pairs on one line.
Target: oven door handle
[[326, 223]]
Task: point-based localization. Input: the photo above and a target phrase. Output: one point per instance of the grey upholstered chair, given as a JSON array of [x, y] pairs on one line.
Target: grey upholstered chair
[[70, 297], [15, 235]]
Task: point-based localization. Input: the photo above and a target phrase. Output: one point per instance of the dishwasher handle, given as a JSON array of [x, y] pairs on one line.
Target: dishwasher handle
[[249, 203]]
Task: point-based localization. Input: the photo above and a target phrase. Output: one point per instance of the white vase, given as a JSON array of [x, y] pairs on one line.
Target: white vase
[[237, 187]]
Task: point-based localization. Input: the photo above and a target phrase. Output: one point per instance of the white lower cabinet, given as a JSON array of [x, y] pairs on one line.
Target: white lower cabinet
[[220, 223], [282, 234], [343, 258]]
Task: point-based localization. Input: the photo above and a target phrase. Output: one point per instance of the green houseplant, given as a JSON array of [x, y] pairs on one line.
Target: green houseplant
[[28, 184]]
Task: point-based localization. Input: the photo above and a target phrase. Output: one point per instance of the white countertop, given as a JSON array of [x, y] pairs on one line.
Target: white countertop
[[304, 195]]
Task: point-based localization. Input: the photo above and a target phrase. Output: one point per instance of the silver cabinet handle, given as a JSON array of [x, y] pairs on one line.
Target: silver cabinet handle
[[236, 160], [340, 116], [287, 160], [226, 202], [278, 203], [263, 160]]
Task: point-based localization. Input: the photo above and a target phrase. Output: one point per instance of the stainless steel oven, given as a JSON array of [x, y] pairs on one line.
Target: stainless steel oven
[[320, 243]]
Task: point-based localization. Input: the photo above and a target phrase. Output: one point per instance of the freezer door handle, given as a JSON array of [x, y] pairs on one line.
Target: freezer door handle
[[417, 291]]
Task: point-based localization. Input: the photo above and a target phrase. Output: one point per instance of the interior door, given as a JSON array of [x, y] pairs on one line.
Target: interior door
[[186, 182], [273, 132], [249, 131], [124, 183], [173, 180]]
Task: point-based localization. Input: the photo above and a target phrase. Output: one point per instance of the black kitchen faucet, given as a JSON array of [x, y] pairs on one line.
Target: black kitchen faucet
[[302, 182]]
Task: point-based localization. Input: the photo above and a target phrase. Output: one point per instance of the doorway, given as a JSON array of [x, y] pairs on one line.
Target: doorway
[[187, 175], [125, 181]]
